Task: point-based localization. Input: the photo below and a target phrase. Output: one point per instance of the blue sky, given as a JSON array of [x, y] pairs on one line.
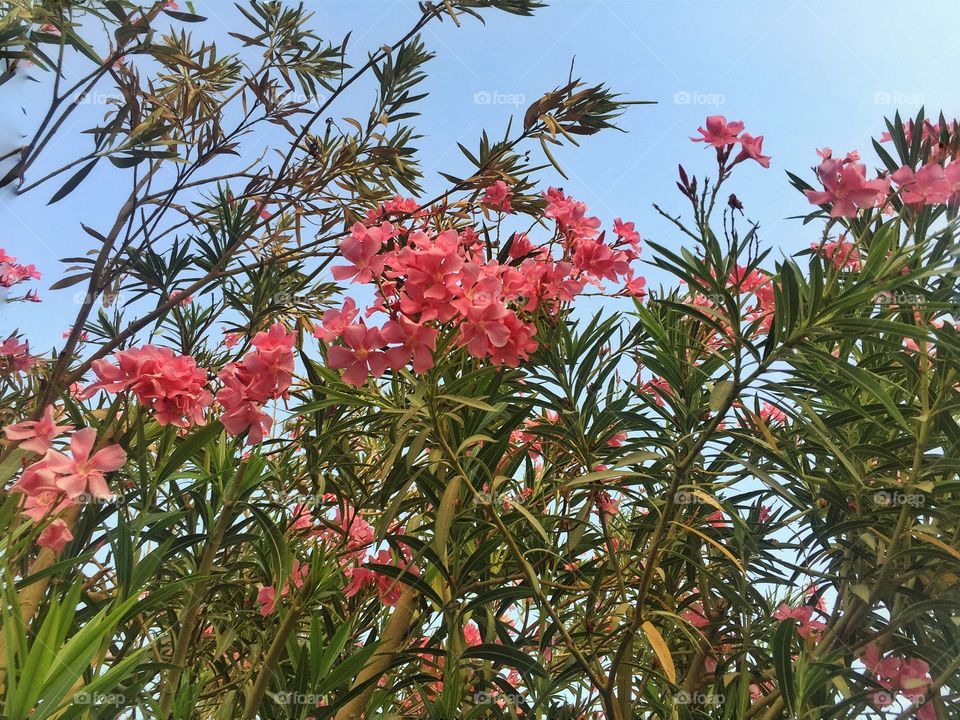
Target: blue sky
[[804, 73]]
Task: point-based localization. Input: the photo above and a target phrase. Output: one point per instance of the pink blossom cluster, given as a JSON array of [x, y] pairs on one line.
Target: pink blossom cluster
[[898, 674], [58, 481], [12, 273], [267, 597], [842, 254], [263, 374], [171, 385], [930, 184], [348, 530], [176, 389], [724, 136], [427, 281], [15, 356], [929, 133], [845, 185], [807, 625]]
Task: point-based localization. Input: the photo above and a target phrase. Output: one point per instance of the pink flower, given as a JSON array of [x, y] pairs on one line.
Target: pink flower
[[171, 385], [361, 250], [600, 261], [751, 148], [498, 196], [471, 634], [55, 536], [360, 355], [926, 186], [36, 435], [617, 440], [804, 616], [627, 232], [771, 414], [336, 321], [44, 503], [267, 597], [520, 247], [416, 340], [302, 519], [483, 327], [263, 374], [83, 473], [719, 132], [842, 255], [846, 187], [635, 286]]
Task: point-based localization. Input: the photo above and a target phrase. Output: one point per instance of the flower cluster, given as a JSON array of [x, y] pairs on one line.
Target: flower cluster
[[936, 182], [807, 625], [845, 185], [15, 356], [724, 136], [428, 282], [262, 375], [12, 273], [171, 385], [58, 481], [908, 676]]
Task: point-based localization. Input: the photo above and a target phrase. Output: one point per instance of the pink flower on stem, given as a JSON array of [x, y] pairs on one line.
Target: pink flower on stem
[[36, 435], [626, 231], [808, 627], [498, 196], [926, 186], [846, 188], [83, 472], [171, 385], [719, 133], [751, 148], [771, 414], [471, 633], [842, 255]]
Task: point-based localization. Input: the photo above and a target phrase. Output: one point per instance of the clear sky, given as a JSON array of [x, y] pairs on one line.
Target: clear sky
[[803, 73]]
